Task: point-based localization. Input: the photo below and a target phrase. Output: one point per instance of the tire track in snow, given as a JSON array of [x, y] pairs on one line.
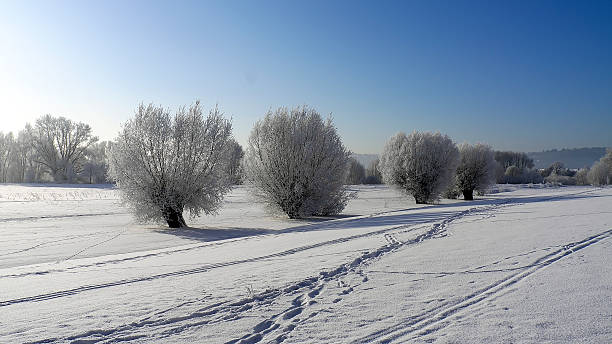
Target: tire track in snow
[[425, 321]]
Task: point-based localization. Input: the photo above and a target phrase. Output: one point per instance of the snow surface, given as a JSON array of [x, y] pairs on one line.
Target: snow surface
[[523, 265]]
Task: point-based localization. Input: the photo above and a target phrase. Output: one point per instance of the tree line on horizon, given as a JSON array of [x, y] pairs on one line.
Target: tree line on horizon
[[167, 163]]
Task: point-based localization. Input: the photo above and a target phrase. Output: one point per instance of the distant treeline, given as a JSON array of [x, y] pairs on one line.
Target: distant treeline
[[572, 158], [57, 149], [54, 149], [515, 168]]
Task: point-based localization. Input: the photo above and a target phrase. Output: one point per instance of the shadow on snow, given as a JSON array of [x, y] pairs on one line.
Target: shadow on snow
[[343, 221]]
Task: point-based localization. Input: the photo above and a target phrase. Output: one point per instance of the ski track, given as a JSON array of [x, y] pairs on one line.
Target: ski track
[[229, 241], [431, 321], [227, 310], [331, 224], [277, 328], [279, 325], [47, 243], [327, 225], [46, 217], [94, 245]]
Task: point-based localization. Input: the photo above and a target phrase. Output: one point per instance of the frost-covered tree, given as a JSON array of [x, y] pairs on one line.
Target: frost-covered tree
[[513, 171], [95, 168], [297, 163], [25, 165], [557, 168], [166, 164], [235, 168], [607, 160], [476, 169], [582, 176], [60, 145], [599, 174], [23, 155], [518, 159], [356, 172], [373, 175], [422, 164], [7, 150]]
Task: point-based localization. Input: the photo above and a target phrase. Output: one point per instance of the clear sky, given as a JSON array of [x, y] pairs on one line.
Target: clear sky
[[519, 75]]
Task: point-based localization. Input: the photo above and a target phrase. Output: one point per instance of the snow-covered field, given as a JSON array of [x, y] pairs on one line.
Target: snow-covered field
[[524, 264]]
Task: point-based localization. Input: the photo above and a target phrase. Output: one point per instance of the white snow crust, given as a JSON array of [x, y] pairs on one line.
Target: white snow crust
[[526, 264]]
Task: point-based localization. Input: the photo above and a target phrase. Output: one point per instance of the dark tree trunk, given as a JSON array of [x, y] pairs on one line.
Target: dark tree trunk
[[420, 200], [468, 195], [174, 218]]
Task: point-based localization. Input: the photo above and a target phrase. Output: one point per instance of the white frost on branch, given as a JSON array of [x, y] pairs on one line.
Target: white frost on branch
[[298, 163], [421, 164], [476, 170], [166, 164]]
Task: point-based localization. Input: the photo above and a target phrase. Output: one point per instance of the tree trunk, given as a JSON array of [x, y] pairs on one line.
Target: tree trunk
[[468, 195], [174, 218], [420, 200]]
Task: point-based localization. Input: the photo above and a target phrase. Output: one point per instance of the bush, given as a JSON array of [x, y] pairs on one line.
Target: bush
[[452, 192], [166, 164], [531, 176], [356, 172], [476, 170], [560, 179], [513, 171], [298, 163], [518, 159], [515, 175], [422, 164]]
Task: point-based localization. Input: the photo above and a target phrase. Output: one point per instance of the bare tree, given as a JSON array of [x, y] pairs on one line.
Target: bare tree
[[60, 145], [356, 172], [422, 164], [297, 163], [166, 164], [476, 170]]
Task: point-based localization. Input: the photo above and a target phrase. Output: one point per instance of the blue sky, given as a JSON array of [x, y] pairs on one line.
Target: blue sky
[[519, 75]]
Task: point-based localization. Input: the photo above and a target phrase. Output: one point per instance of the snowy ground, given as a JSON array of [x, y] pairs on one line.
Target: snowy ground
[[524, 264]]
